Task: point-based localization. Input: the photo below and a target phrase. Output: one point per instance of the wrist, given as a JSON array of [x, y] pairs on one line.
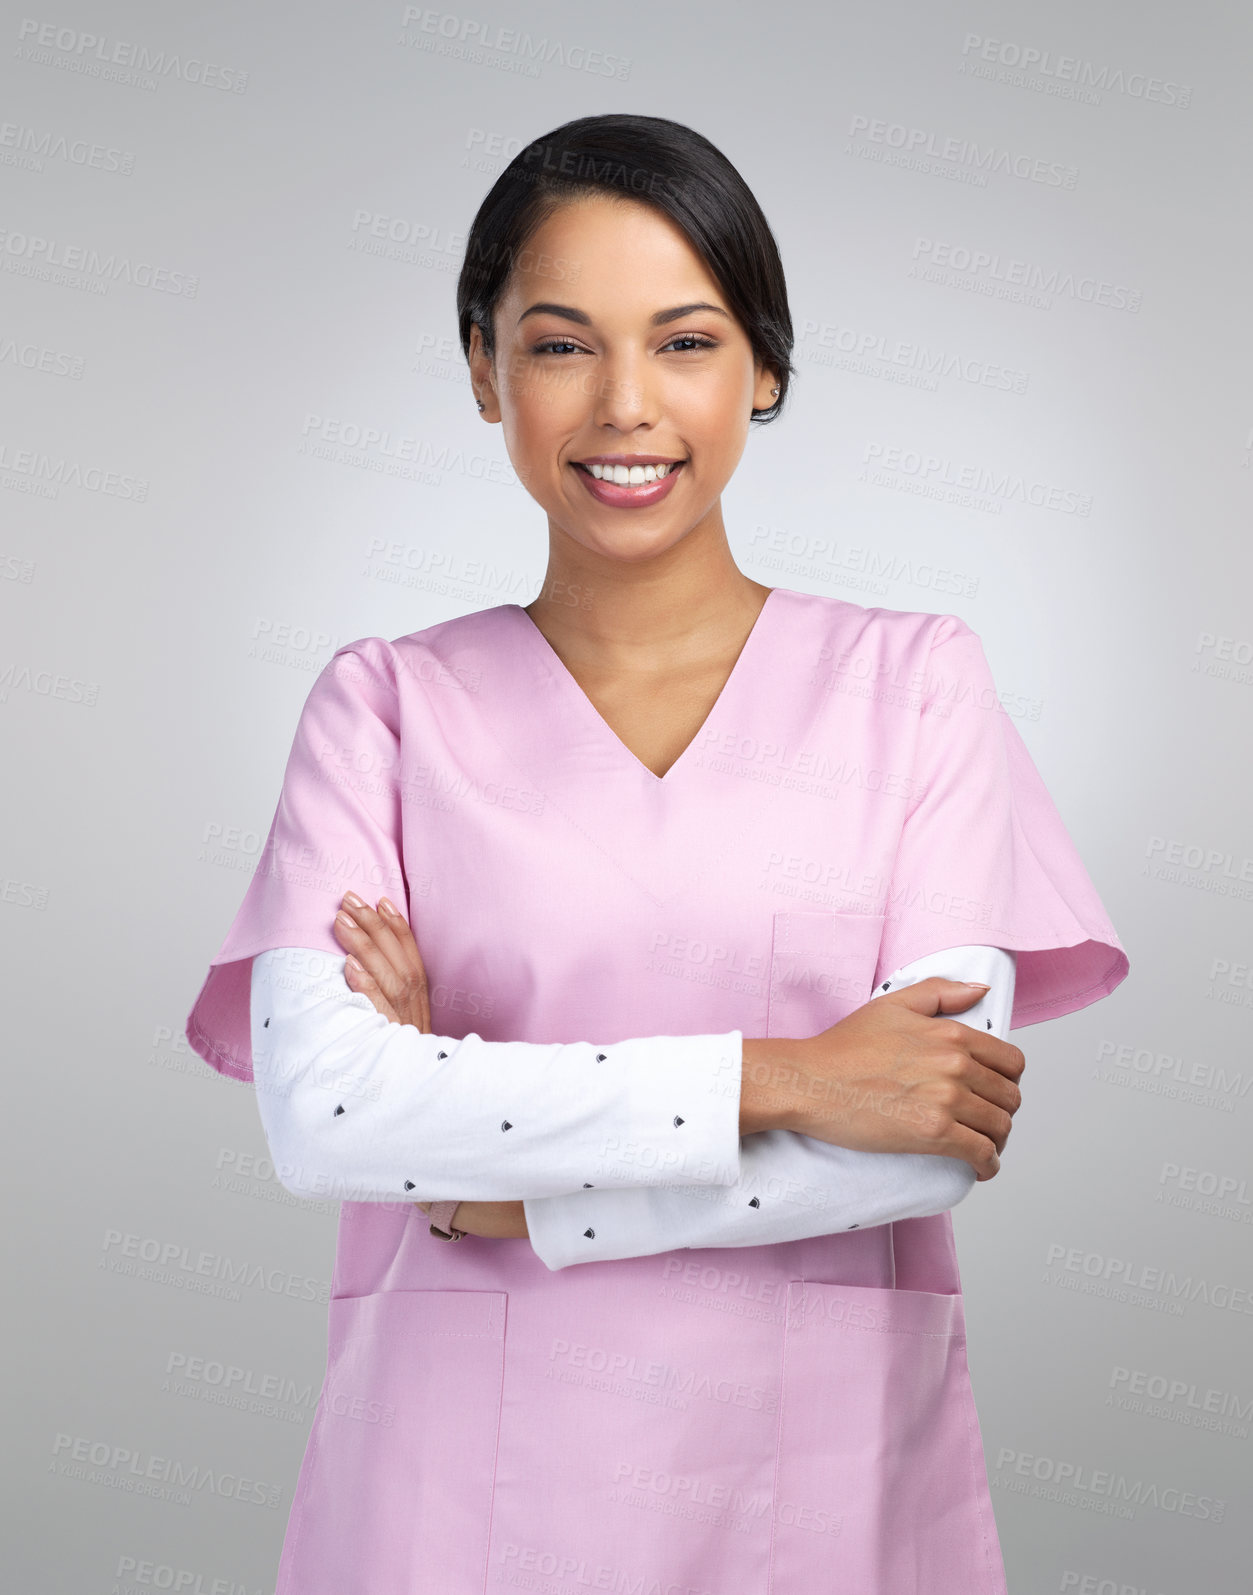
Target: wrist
[[772, 1086], [442, 1226]]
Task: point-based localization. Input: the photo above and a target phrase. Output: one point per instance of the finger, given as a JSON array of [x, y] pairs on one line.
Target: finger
[[390, 932], [361, 981], [399, 926], [376, 930], [403, 932], [933, 996], [938, 998], [994, 1089], [362, 931], [986, 1119], [993, 1068], [1008, 1060], [973, 1148], [993, 1051]]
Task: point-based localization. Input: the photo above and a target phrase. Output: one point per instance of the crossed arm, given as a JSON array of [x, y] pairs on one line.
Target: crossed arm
[[583, 1135], [789, 1186]]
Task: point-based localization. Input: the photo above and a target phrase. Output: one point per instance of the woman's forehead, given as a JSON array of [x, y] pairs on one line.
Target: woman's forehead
[[595, 254]]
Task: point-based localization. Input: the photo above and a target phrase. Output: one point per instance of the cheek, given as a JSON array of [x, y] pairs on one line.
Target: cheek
[[524, 438], [537, 419], [717, 437], [717, 415]]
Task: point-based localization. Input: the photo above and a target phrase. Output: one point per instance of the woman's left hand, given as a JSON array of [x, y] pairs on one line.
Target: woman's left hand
[[389, 971]]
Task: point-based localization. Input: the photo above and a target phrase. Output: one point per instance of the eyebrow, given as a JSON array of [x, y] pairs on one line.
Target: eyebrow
[[661, 319]]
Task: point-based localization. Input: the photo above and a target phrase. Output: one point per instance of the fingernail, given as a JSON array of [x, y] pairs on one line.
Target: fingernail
[[387, 908], [346, 920], [353, 900], [976, 985], [354, 965]]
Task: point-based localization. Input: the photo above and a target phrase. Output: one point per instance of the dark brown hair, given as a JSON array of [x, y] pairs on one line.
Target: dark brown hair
[[655, 162]]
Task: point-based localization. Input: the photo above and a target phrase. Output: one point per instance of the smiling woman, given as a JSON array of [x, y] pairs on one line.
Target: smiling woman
[[635, 331], [633, 391], [677, 1014]]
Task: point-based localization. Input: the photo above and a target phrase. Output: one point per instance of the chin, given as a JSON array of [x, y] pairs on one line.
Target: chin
[[631, 548]]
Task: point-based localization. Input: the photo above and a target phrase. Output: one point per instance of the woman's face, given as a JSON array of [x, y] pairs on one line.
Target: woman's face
[[583, 370]]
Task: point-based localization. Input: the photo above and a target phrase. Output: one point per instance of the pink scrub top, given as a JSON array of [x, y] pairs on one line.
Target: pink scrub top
[[790, 1419]]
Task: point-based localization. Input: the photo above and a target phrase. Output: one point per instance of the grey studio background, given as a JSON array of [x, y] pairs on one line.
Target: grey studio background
[[238, 432]]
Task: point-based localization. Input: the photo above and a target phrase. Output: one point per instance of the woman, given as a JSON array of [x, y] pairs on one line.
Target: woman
[[696, 869]]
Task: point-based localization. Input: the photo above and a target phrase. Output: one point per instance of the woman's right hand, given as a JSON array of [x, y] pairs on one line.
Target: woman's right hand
[[898, 1074], [388, 966], [389, 970]]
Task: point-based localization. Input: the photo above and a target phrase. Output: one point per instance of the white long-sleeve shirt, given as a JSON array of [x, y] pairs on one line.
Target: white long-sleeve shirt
[[789, 1186], [621, 1149]]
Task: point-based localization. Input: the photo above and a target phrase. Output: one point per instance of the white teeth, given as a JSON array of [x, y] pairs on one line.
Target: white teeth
[[628, 475]]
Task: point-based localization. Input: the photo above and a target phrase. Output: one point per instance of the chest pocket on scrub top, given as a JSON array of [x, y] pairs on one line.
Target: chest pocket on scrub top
[[822, 965]]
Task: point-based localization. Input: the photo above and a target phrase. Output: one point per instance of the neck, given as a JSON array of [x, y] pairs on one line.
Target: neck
[[645, 616]]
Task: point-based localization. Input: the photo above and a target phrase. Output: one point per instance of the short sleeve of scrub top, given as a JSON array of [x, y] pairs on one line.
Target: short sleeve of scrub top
[[983, 854]]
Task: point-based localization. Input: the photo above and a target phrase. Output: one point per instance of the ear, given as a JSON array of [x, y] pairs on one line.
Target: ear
[[482, 375], [766, 378]]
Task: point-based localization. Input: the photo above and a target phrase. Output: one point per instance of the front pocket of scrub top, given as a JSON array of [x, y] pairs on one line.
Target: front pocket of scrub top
[[395, 1492], [881, 1479], [822, 966]]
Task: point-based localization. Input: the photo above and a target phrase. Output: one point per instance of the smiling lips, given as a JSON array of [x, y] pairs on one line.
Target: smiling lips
[[634, 473], [623, 485]]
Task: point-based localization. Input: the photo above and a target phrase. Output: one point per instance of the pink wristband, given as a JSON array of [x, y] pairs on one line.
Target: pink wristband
[[440, 1214]]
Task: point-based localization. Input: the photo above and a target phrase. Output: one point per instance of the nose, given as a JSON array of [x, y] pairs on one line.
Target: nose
[[625, 396]]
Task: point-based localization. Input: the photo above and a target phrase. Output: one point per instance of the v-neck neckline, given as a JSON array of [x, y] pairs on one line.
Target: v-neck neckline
[[561, 673]]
